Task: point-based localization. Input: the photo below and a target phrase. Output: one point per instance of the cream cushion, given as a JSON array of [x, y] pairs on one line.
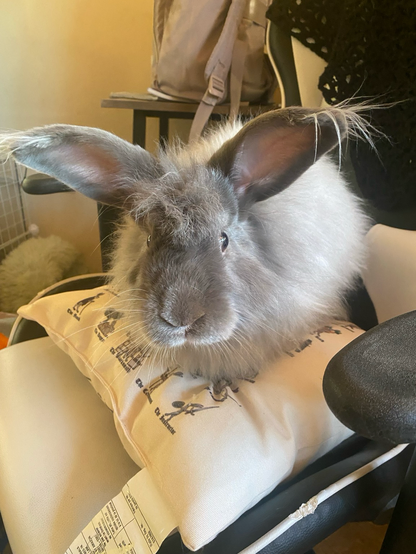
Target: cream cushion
[[213, 456]]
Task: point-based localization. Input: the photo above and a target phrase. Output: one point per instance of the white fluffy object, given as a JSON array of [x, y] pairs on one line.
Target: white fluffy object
[[34, 265]]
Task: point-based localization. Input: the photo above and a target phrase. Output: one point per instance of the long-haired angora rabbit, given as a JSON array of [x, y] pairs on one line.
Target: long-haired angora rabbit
[[233, 248]]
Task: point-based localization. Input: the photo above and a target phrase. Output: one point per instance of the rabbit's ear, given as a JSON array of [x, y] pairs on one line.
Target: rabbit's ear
[[273, 150], [94, 162]]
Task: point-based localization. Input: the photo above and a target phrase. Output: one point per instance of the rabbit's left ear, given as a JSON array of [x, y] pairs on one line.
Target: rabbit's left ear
[[273, 150], [94, 162]]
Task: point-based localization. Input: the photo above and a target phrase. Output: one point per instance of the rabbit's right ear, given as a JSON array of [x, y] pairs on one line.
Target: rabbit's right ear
[[94, 162], [273, 150]]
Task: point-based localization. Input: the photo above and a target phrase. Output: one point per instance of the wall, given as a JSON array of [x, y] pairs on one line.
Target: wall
[[309, 67], [59, 59]]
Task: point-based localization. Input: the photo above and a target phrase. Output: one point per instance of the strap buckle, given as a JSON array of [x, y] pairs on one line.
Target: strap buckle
[[216, 86]]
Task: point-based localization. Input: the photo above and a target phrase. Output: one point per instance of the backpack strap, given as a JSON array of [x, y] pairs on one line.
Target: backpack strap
[[236, 75], [218, 67]]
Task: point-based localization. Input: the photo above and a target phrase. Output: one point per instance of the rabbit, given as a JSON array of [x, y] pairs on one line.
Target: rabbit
[[233, 248]]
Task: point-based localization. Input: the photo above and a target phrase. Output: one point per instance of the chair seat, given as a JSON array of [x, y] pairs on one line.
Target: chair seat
[[60, 457]]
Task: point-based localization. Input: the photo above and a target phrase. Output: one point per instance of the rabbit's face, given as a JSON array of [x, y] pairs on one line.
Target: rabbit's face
[[181, 284], [183, 298]]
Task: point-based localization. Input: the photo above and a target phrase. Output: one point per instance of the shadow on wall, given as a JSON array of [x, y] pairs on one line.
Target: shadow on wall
[[64, 57]]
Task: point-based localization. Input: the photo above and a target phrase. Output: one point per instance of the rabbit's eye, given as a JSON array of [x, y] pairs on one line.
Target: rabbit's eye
[[149, 238], [223, 241]]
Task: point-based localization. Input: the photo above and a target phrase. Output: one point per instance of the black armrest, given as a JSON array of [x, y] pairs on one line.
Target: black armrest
[[370, 384], [43, 184]]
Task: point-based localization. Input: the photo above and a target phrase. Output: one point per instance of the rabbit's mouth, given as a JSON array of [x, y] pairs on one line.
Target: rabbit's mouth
[[187, 337], [201, 332]]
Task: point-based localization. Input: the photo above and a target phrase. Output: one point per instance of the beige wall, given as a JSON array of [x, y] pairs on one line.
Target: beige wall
[[59, 59]]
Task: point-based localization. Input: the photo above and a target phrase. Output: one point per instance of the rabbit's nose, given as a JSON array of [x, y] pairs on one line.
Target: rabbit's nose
[[183, 318]]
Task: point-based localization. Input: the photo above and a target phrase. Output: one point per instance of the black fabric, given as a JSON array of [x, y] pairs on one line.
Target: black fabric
[[361, 308], [370, 384], [370, 47]]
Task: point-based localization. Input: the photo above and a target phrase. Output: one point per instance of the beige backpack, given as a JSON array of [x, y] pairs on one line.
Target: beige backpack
[[211, 52]]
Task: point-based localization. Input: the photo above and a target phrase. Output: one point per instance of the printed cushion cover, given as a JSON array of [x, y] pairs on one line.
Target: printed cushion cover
[[212, 454]]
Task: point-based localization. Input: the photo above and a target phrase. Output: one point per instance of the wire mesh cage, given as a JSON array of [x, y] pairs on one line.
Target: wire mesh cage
[[13, 215]]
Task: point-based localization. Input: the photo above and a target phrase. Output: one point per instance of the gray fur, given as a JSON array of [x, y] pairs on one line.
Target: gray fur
[[290, 260]]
